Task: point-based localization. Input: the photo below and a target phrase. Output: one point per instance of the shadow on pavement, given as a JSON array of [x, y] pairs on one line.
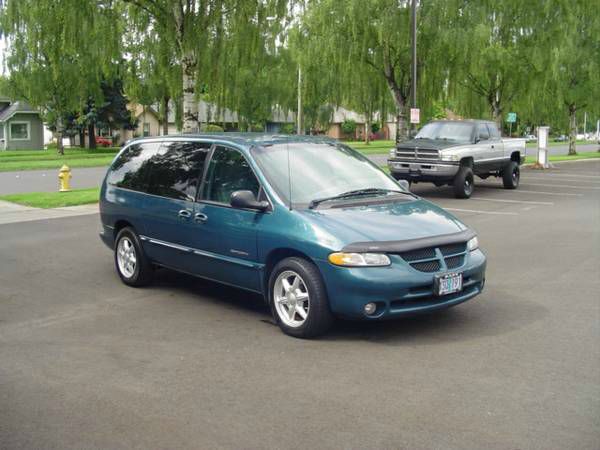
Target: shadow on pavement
[[490, 314]]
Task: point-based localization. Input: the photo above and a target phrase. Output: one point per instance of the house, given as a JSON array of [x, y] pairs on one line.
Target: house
[[21, 126], [148, 122]]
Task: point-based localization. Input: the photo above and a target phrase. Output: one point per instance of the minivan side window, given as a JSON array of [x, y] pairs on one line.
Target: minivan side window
[[128, 170], [174, 171], [228, 171], [482, 132]]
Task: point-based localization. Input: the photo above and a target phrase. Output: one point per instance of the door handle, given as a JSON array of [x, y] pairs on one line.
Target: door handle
[[200, 217], [185, 214], [492, 145]]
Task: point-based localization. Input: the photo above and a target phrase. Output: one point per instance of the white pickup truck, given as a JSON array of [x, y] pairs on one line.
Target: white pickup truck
[[452, 152]]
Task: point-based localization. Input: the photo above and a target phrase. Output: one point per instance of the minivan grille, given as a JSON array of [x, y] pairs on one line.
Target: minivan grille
[[417, 153], [434, 259]]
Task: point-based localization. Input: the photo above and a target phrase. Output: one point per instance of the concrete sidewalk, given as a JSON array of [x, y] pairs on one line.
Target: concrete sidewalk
[[11, 212]]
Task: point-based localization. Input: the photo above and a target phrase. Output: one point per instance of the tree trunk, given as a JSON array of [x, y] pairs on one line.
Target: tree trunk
[[190, 105], [572, 129], [82, 138], [165, 115], [60, 149], [92, 135]]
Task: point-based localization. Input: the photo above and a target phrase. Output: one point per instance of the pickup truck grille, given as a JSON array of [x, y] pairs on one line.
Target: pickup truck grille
[[430, 260], [417, 153]]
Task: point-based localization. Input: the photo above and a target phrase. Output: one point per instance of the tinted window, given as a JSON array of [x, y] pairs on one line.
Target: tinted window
[[483, 132], [228, 172], [174, 171], [128, 170], [494, 133]]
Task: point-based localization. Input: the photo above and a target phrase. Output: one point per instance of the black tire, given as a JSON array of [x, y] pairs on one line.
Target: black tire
[[142, 272], [464, 182], [511, 175], [319, 318]]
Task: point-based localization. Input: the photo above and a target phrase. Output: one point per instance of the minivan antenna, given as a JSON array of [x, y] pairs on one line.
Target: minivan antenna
[[287, 146]]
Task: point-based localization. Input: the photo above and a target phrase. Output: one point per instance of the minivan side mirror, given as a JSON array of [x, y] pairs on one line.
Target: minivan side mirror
[[247, 200]]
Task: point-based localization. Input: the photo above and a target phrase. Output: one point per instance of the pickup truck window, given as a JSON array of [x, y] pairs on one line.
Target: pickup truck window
[[494, 133], [482, 132], [458, 132]]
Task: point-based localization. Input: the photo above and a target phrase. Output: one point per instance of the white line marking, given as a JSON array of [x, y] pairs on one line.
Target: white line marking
[[561, 174], [551, 193], [483, 212], [562, 186], [557, 180], [512, 201]]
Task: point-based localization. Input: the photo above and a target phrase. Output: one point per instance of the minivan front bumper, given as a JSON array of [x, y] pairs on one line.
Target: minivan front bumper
[[398, 289]]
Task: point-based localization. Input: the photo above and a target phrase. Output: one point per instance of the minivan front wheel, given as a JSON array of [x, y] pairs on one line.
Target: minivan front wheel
[[133, 267], [298, 298]]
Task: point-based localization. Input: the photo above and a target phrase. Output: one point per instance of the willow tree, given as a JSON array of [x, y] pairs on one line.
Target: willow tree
[[376, 33], [58, 52], [570, 69], [196, 28]]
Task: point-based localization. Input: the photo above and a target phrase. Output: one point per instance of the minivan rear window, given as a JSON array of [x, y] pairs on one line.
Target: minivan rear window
[[174, 171], [128, 170]]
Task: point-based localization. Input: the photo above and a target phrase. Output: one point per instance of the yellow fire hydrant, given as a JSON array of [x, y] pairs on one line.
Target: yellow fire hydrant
[[64, 177]]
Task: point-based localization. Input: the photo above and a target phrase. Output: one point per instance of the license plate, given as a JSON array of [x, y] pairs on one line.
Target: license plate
[[448, 283]]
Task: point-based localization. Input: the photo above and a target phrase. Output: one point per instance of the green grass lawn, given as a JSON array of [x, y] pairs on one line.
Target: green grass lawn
[[49, 159], [557, 158], [54, 199], [374, 147]]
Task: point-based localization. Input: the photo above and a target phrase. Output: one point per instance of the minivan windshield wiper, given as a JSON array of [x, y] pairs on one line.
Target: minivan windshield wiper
[[358, 193]]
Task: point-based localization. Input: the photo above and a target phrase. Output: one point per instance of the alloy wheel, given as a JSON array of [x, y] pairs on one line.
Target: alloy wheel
[[291, 298], [126, 257]]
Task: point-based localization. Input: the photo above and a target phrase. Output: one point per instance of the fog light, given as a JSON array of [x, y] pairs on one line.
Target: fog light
[[370, 308]]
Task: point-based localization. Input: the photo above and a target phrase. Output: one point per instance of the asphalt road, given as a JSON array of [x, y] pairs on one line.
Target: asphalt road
[[47, 180], [87, 362]]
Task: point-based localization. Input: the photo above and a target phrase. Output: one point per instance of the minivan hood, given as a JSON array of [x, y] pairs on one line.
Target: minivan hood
[[394, 221]]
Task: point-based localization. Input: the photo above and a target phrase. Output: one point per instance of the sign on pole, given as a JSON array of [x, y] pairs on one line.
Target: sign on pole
[[511, 117], [415, 115]]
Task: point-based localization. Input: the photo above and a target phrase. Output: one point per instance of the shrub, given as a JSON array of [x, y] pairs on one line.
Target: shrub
[[349, 126], [375, 127], [287, 128], [210, 128]]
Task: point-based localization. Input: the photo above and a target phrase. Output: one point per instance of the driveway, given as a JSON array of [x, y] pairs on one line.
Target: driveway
[[90, 363]]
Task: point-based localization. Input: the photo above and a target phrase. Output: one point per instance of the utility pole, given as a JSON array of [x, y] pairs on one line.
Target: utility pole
[[299, 129], [584, 124], [413, 17]]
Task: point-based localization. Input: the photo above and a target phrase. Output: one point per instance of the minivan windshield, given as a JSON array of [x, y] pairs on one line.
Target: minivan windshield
[[458, 132], [318, 171]]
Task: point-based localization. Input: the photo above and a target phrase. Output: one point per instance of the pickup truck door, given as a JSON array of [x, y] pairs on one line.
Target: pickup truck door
[[483, 154], [497, 146]]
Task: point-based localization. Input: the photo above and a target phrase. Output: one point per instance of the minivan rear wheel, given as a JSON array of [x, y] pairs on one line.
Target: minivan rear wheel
[[131, 263], [298, 298]]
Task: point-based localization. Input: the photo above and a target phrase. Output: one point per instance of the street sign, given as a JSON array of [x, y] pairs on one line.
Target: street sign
[[415, 115], [511, 117]]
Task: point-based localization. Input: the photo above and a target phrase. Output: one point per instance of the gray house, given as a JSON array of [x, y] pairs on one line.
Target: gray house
[[21, 126]]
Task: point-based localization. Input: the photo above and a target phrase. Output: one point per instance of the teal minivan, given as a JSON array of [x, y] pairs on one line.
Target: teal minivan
[[308, 222]]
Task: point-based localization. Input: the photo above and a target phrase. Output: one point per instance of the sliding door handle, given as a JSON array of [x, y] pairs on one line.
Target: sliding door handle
[[200, 217], [185, 214]]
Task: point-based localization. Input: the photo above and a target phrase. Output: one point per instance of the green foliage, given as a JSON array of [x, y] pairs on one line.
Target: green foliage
[[210, 128], [287, 128], [349, 126]]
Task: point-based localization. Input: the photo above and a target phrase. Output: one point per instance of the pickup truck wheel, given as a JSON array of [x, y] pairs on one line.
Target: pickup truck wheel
[[463, 183], [511, 175]]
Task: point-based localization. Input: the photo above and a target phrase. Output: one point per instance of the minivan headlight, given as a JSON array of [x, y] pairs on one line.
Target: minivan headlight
[[359, 259], [473, 244]]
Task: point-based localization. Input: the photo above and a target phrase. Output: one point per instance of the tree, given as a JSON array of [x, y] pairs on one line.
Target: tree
[[198, 31], [571, 68], [58, 52]]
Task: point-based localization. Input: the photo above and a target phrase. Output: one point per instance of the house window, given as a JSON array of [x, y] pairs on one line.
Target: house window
[[19, 131], [146, 129]]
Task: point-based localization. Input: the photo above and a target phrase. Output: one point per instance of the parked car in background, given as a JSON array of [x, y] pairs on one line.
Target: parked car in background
[[452, 152], [561, 138], [309, 223], [530, 137], [104, 142]]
